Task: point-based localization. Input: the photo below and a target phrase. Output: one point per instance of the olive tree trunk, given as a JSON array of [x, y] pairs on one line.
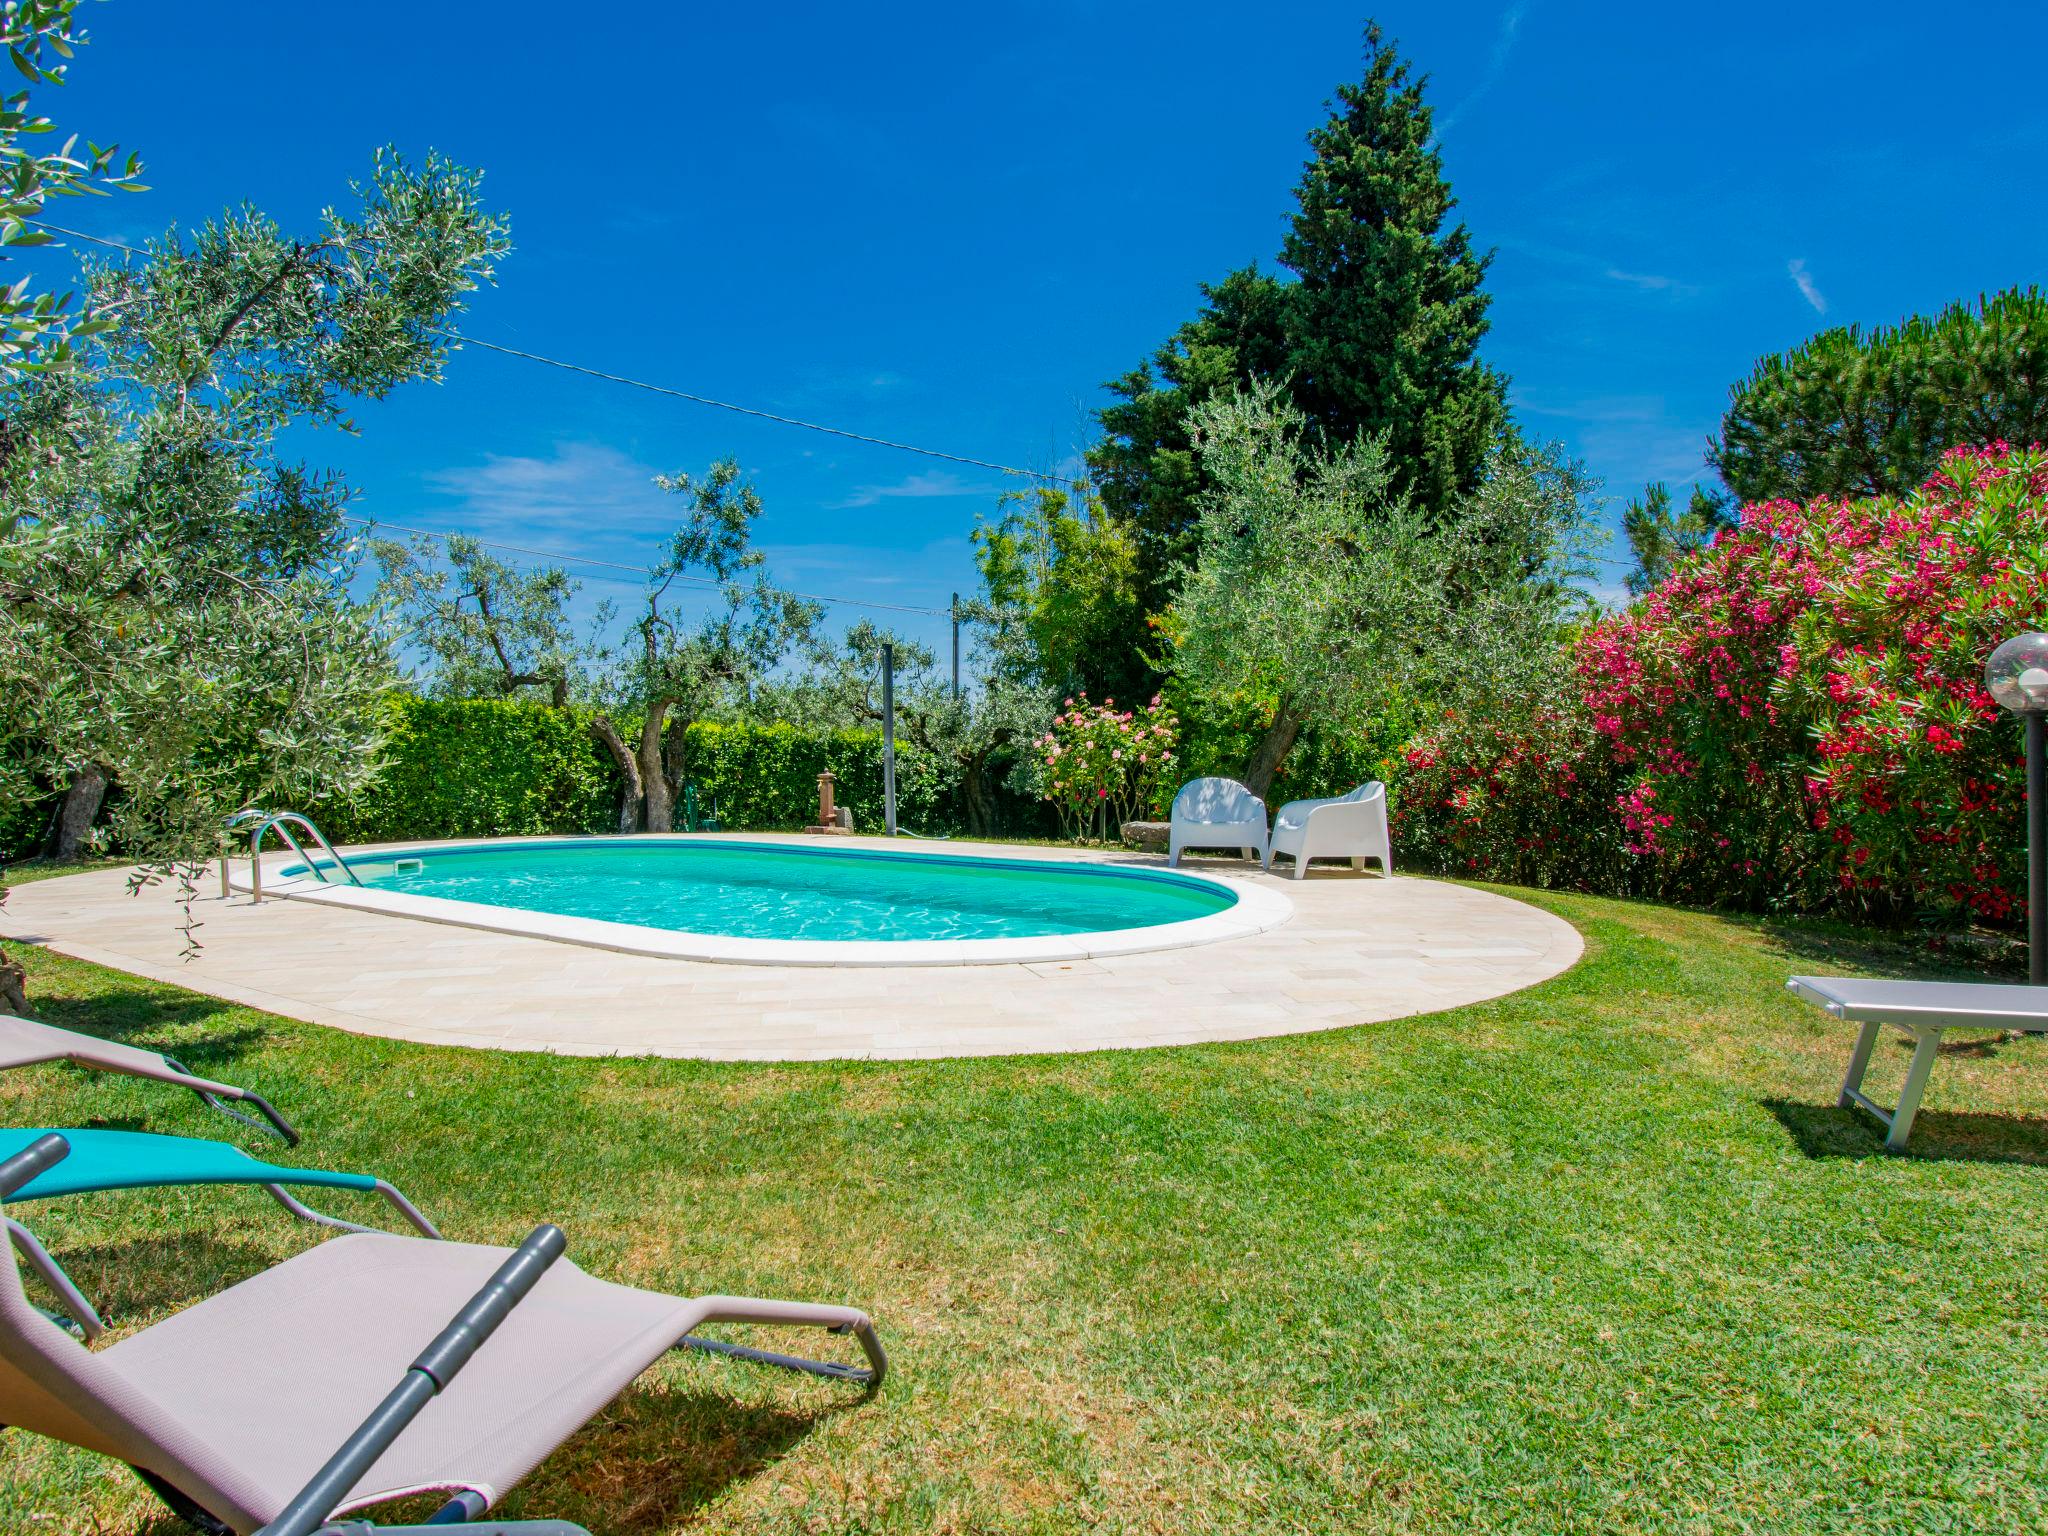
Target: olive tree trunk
[[629, 771], [83, 797], [1272, 751], [656, 789], [975, 808], [647, 787]]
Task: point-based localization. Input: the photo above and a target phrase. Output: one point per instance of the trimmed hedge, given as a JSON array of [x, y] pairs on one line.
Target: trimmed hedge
[[509, 768], [765, 777], [479, 768]]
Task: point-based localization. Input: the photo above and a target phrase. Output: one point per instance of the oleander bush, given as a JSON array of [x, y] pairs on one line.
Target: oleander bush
[[1795, 718]]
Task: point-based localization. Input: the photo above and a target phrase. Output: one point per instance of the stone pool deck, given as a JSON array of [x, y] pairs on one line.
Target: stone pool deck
[[1359, 949]]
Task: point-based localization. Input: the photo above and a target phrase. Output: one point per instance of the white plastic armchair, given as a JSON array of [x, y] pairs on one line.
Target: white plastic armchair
[[1352, 826], [1216, 813]]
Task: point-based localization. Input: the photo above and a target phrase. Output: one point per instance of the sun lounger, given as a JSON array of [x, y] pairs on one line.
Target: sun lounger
[[1925, 1010], [303, 1393], [28, 1042], [110, 1160]]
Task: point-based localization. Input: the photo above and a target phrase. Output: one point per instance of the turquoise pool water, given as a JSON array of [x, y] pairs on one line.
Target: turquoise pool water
[[769, 891]]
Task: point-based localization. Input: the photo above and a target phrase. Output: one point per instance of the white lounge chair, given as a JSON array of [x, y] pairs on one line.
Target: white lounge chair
[[1216, 813], [1352, 826]]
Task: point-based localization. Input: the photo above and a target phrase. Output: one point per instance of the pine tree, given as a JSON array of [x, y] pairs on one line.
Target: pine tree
[[1870, 413], [1659, 538]]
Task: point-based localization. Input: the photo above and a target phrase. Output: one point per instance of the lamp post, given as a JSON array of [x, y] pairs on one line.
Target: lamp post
[[889, 738], [2017, 677]]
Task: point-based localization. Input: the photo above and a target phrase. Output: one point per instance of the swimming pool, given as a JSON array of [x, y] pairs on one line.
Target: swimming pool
[[789, 902]]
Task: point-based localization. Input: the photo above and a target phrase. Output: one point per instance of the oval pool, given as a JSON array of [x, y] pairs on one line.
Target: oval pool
[[716, 898]]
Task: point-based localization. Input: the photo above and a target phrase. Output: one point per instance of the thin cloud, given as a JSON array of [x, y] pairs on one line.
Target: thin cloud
[[580, 484], [1652, 282], [1587, 263], [849, 384], [915, 488], [1496, 66], [1808, 289]]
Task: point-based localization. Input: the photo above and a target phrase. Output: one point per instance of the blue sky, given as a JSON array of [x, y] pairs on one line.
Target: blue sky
[[948, 224]]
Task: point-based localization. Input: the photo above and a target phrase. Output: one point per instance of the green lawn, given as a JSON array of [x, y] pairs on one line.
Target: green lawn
[[1597, 1257]]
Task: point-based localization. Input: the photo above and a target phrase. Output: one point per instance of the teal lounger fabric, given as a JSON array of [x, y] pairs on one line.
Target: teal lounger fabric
[[137, 1160]]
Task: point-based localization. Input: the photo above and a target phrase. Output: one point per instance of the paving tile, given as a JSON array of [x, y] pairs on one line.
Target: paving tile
[[1357, 950]]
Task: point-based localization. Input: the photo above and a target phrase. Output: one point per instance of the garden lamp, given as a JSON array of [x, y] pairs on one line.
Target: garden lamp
[[2017, 677]]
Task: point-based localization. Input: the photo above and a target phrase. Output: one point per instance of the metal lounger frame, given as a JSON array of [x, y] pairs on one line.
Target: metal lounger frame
[[309, 1514], [1925, 1025], [87, 1317]]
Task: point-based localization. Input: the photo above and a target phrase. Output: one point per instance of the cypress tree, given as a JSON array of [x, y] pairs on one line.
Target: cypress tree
[[1379, 332], [1384, 324]]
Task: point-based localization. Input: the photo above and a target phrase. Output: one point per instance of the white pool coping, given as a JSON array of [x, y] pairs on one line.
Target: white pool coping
[[1256, 909]]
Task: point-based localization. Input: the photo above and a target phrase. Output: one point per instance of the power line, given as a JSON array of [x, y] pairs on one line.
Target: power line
[[660, 389], [641, 570], [747, 410], [723, 405], [79, 234]]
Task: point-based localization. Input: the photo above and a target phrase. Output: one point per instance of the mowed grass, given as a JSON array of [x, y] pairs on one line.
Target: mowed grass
[[1598, 1257]]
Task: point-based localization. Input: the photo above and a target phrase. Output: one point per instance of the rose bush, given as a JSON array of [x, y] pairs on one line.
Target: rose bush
[[1100, 766], [1794, 718]]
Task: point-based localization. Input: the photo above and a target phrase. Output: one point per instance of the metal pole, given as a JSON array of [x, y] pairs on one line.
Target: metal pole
[[889, 736], [956, 645], [2037, 849]]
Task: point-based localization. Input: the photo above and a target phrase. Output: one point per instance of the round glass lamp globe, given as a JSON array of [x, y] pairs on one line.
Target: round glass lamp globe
[[2017, 674]]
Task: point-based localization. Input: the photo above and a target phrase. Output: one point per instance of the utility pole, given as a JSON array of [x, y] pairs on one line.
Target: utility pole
[[956, 645], [889, 736]]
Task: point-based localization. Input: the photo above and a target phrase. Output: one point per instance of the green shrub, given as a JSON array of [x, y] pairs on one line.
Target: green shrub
[[479, 768], [24, 819], [511, 768], [765, 777]]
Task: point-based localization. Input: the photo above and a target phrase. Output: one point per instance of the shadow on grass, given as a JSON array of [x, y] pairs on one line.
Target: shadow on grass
[[656, 1456], [1938, 1135], [646, 1464], [1839, 947], [150, 1275], [143, 1017]]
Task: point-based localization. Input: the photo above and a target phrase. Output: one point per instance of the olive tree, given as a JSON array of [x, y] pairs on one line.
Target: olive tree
[[148, 475], [37, 330], [174, 615], [667, 670], [488, 629], [1321, 587], [977, 731]]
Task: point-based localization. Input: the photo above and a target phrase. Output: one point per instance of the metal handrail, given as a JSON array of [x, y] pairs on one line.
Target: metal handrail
[[277, 820], [247, 813]]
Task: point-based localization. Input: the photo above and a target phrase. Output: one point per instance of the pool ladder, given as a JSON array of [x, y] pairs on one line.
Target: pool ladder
[[282, 822]]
